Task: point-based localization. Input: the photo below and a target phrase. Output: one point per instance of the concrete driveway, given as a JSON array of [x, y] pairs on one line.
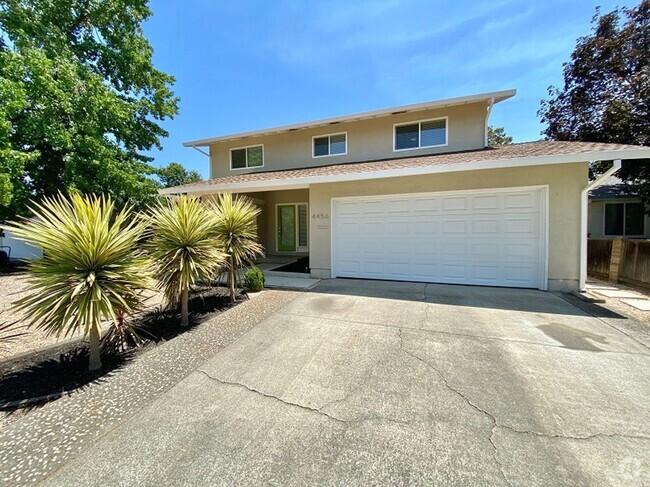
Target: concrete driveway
[[366, 383]]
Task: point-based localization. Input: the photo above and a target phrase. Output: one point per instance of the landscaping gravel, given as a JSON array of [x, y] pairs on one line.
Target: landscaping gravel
[[13, 287], [41, 441]]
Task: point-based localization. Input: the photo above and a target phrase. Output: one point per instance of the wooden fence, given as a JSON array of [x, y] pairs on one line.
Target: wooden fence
[[599, 255], [620, 260]]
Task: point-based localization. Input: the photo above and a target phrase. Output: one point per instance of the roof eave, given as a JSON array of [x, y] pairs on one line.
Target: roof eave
[[496, 96]]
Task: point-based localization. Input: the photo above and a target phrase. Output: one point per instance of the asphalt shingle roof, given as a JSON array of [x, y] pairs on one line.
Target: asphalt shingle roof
[[613, 188], [513, 151]]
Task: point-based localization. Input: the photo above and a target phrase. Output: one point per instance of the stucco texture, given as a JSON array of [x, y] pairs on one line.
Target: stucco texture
[[564, 181], [367, 140]]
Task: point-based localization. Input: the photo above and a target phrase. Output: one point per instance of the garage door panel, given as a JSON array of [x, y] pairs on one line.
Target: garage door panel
[[486, 272], [372, 208], [399, 206], [454, 227], [454, 203], [487, 202], [485, 226], [352, 246], [486, 238], [523, 224], [519, 273], [375, 268], [371, 228], [425, 227], [425, 205], [423, 249], [398, 228], [521, 200], [451, 248]]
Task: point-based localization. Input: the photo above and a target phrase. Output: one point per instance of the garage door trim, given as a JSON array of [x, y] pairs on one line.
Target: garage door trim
[[544, 219]]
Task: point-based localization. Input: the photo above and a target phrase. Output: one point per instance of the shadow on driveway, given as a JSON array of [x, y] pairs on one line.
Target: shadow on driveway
[[527, 300]]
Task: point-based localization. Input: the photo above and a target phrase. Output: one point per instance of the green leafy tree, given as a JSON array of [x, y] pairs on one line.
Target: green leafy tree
[[236, 229], [91, 270], [173, 174], [183, 248], [81, 100], [497, 136], [606, 92]]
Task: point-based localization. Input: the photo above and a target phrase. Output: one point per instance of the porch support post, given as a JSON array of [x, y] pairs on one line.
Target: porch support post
[[584, 219]]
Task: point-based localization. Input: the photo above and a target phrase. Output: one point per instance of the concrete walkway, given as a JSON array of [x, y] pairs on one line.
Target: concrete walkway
[[374, 383]]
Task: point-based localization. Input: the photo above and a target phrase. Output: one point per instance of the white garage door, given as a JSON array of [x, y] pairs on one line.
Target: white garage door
[[491, 238]]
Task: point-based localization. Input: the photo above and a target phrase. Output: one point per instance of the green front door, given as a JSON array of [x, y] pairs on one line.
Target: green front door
[[287, 228]]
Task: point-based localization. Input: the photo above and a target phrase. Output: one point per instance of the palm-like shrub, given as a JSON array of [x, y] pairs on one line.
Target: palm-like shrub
[[91, 269], [236, 228], [183, 248]]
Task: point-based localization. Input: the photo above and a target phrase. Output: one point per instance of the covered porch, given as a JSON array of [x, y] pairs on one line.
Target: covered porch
[[283, 230]]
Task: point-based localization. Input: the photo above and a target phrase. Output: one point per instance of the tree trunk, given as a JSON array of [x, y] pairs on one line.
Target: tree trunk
[[95, 362], [231, 279], [185, 320]]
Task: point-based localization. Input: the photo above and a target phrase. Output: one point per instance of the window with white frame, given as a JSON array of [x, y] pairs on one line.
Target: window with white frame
[[624, 219], [244, 157], [330, 145], [426, 133]]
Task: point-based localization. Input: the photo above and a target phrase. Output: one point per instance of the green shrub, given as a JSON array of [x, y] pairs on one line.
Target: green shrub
[[254, 279]]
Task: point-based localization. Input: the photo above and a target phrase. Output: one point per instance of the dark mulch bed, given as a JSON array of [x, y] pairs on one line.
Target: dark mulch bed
[[300, 266], [51, 373], [14, 267]]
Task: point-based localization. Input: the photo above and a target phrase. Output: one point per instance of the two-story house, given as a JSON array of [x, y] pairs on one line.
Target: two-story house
[[414, 193]]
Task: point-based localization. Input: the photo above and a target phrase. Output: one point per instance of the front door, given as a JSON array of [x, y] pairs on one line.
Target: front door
[[287, 228]]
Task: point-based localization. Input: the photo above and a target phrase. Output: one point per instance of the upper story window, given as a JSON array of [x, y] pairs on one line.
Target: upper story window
[[426, 133], [624, 219], [244, 157], [330, 145]]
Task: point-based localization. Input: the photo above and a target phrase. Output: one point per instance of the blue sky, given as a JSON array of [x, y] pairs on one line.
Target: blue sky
[[245, 65]]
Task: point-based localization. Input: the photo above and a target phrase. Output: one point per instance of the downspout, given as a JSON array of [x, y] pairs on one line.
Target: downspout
[[489, 111], [584, 219]]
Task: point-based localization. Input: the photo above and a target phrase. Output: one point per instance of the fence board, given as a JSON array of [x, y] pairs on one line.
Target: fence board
[[635, 262], [599, 254]]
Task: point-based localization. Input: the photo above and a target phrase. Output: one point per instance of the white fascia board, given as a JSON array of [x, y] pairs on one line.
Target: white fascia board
[[304, 182], [497, 96]]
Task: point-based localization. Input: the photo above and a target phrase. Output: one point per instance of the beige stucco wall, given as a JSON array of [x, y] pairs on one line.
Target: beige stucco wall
[[597, 217], [565, 182], [367, 140]]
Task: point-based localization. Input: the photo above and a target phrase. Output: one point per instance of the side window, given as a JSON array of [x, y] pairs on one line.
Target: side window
[[244, 157], [427, 133], [624, 219], [330, 145]]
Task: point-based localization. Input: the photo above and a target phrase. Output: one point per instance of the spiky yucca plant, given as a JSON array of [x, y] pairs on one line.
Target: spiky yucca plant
[[236, 228], [91, 269], [183, 248]]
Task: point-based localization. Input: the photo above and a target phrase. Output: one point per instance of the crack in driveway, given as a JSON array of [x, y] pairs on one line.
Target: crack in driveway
[[361, 419], [474, 406], [496, 424]]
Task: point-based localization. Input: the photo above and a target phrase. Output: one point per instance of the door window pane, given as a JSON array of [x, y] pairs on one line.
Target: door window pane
[[302, 225], [614, 218], [634, 219]]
